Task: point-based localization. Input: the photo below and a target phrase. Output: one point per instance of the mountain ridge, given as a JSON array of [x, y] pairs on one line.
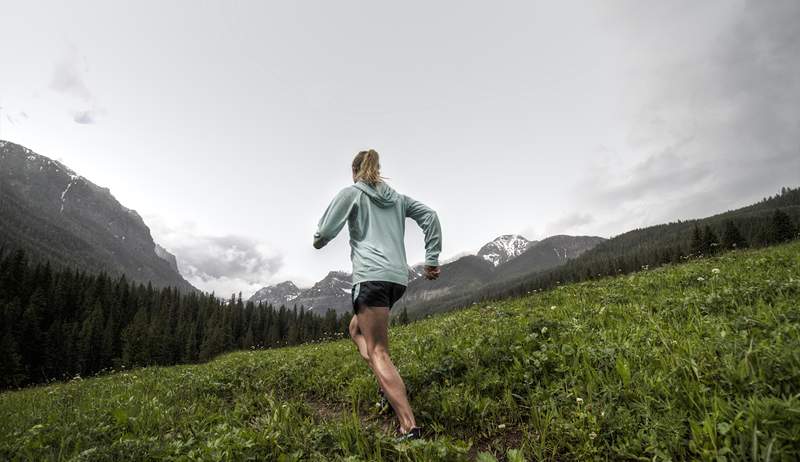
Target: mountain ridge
[[56, 215]]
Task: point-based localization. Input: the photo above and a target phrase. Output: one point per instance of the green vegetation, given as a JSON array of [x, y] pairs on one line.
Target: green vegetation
[[58, 323], [695, 361]]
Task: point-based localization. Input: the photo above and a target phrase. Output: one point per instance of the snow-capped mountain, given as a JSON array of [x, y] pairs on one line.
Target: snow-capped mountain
[[332, 292], [504, 248], [277, 295], [59, 216]]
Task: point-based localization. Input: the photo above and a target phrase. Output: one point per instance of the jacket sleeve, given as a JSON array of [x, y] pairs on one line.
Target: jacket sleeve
[[334, 218], [428, 220]]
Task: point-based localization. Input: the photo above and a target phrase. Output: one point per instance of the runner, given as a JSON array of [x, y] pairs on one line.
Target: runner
[[376, 216]]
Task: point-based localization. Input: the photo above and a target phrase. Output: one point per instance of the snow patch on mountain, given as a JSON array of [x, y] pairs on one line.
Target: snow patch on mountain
[[277, 295], [504, 248]]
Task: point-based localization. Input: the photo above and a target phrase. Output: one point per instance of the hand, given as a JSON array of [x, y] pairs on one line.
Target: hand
[[318, 241], [432, 272]]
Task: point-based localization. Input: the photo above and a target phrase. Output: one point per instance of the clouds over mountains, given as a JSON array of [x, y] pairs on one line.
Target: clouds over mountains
[[223, 264]]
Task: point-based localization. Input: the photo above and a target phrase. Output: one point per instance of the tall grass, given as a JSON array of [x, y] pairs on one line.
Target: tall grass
[[697, 361]]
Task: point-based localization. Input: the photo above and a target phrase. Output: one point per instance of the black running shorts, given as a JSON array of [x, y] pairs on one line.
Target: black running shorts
[[376, 293]]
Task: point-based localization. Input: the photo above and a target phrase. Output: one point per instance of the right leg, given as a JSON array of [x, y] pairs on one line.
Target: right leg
[[374, 325]]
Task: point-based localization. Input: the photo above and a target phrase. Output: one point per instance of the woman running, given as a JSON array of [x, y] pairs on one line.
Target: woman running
[[376, 216]]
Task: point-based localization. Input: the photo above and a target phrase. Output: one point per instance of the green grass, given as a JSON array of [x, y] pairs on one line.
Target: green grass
[[697, 361]]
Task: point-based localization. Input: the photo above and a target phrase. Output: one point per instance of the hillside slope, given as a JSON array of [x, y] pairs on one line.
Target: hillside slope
[[56, 215], [696, 361], [645, 247]]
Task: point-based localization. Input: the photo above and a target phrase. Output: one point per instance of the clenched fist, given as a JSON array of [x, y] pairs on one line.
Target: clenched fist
[[432, 272]]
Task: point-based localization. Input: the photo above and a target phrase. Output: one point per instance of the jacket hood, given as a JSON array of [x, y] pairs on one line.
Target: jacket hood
[[381, 194]]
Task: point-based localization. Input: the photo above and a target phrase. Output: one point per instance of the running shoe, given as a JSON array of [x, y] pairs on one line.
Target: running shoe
[[413, 434]]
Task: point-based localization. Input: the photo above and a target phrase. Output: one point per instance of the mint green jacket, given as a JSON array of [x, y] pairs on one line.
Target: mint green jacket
[[376, 218]]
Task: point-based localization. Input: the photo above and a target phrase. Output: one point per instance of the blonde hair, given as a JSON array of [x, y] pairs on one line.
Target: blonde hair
[[367, 167]]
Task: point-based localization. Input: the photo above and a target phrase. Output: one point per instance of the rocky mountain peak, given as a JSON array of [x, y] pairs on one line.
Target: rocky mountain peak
[[504, 248]]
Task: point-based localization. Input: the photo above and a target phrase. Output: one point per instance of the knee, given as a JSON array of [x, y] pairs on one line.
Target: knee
[[353, 328]]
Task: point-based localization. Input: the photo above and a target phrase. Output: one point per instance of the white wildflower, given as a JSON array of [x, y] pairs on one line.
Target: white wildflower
[[592, 435], [553, 307], [579, 400], [701, 278], [715, 270]]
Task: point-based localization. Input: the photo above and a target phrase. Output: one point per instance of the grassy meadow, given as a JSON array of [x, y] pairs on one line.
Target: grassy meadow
[[698, 361]]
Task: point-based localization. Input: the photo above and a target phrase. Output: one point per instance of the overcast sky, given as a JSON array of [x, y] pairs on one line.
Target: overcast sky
[[229, 126]]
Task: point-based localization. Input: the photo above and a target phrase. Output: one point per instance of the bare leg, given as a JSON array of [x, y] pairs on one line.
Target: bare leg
[[358, 339], [374, 326]]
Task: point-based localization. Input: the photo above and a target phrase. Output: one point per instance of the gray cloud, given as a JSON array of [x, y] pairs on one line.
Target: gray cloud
[[722, 125], [222, 264], [569, 223], [236, 257], [68, 79], [84, 117]]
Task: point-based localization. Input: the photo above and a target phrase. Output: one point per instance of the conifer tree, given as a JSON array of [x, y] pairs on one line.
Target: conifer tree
[[12, 372], [710, 241], [696, 245], [782, 229], [732, 238]]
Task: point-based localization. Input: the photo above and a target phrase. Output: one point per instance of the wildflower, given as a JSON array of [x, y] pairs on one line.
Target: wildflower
[[553, 307], [701, 278], [501, 426], [715, 270], [544, 329], [579, 400], [592, 435]]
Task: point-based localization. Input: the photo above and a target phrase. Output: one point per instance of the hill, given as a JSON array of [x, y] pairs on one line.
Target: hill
[[55, 215], [694, 361]]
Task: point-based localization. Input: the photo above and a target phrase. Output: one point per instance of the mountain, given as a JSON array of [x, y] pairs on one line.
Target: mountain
[[504, 248], [332, 292], [59, 216], [277, 295], [545, 254], [466, 273], [499, 260], [164, 254]]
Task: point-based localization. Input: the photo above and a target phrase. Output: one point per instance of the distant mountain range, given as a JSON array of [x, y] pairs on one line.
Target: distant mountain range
[[506, 256], [56, 215]]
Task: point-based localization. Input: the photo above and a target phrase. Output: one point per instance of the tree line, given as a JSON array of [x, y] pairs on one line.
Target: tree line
[[59, 323]]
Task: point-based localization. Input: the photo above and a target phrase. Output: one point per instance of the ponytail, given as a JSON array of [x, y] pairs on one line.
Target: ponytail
[[367, 167]]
